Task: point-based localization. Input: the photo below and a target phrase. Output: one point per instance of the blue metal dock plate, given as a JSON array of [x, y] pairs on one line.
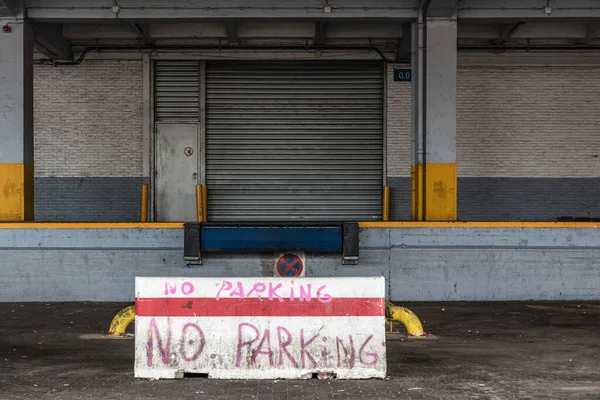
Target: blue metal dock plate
[[318, 239]]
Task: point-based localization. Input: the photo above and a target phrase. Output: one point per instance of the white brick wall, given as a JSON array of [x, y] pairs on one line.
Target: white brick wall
[[513, 121], [88, 119], [530, 121], [398, 125]]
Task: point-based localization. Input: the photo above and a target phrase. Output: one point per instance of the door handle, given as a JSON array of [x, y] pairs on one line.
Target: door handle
[[194, 175]]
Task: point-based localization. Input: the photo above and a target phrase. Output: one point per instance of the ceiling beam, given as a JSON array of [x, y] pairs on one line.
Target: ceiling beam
[[232, 32], [142, 32], [135, 11], [11, 8], [515, 10], [441, 8], [592, 31], [50, 41], [320, 33], [404, 52], [507, 31]]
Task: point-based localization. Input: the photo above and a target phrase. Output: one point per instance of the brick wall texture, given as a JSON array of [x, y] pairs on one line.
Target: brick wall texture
[[88, 141], [535, 122], [528, 142], [398, 112], [88, 119]]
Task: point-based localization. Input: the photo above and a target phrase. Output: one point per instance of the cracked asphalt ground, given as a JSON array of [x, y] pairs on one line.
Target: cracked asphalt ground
[[483, 351]]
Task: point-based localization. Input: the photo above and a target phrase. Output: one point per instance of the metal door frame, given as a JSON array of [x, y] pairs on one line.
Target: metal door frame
[[154, 156], [151, 124]]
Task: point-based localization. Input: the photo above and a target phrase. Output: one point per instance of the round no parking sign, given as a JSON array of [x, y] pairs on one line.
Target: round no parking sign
[[290, 265]]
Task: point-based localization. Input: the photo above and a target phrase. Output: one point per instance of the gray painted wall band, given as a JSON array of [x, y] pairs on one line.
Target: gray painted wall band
[[527, 199], [425, 238], [106, 199], [419, 264], [400, 197], [91, 239], [479, 199], [411, 274]]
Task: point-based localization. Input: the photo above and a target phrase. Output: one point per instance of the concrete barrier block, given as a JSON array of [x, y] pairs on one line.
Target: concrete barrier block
[[260, 328]]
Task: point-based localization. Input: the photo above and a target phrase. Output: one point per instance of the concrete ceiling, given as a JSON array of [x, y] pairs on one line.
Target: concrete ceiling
[[61, 25]]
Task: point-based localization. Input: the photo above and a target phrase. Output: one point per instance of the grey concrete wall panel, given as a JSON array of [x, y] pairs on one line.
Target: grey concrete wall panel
[[16, 94], [494, 274], [374, 239], [108, 275], [419, 264], [70, 239], [400, 197], [440, 90], [527, 199], [111, 199], [503, 238]]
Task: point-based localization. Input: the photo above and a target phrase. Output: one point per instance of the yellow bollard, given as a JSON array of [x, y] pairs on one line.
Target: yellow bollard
[[144, 215], [403, 315], [205, 203], [199, 204], [121, 321], [386, 204]]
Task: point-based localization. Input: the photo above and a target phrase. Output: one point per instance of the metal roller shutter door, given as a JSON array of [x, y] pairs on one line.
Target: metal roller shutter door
[[289, 141], [177, 90]]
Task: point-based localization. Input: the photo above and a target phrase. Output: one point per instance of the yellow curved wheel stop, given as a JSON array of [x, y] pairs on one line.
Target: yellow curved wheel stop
[[406, 317], [121, 321]]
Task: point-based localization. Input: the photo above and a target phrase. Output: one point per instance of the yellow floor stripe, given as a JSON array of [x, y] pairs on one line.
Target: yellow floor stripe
[[91, 225], [363, 225], [423, 224]]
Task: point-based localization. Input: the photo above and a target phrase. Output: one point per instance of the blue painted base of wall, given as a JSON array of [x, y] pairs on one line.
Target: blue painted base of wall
[[423, 264]]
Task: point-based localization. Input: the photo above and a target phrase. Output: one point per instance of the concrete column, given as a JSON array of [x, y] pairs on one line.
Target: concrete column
[[439, 146], [16, 122], [418, 85]]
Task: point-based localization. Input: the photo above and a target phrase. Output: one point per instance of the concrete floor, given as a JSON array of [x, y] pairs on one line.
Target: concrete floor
[[484, 351]]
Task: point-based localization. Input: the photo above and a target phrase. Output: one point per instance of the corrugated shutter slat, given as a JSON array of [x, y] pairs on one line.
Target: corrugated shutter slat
[[294, 140], [177, 90]]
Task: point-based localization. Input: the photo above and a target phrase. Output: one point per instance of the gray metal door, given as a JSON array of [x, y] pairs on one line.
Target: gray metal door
[[294, 140], [176, 171]]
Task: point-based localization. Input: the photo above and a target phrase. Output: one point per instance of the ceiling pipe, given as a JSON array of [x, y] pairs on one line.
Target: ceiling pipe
[[87, 50]]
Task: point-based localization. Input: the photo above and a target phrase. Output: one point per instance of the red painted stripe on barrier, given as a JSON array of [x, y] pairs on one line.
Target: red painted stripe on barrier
[[254, 307]]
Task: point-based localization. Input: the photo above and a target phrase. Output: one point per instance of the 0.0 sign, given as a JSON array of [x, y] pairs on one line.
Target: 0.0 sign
[[402, 75]]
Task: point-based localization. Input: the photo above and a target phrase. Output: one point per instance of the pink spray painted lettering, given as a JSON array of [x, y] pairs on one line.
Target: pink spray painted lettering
[[280, 291], [186, 288], [304, 353]]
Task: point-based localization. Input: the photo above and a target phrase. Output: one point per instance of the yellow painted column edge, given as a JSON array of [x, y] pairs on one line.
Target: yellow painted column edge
[[199, 204], [440, 192], [205, 203], [16, 192], [416, 187], [144, 205], [385, 214]]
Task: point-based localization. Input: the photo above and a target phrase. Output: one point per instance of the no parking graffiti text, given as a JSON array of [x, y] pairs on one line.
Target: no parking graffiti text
[[254, 347], [270, 291]]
